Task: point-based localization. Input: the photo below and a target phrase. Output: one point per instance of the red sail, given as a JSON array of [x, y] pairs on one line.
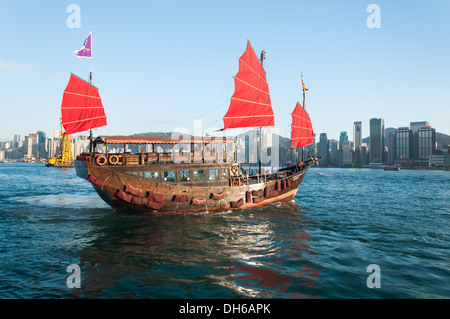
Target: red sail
[[301, 128], [250, 104], [81, 107]]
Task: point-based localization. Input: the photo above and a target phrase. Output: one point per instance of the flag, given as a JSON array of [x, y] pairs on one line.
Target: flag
[[303, 85], [86, 50]]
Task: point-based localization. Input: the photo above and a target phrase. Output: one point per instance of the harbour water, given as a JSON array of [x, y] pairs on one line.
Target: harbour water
[[318, 246]]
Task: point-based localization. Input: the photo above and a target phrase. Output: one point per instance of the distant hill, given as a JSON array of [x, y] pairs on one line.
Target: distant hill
[[153, 134], [442, 140]]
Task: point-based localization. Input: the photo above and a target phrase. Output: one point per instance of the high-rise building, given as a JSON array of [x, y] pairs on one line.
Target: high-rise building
[[310, 150], [376, 140], [346, 153], [343, 139], [334, 153], [357, 134], [16, 140], [31, 146], [322, 149], [42, 144], [415, 126], [391, 144], [403, 142], [426, 138]]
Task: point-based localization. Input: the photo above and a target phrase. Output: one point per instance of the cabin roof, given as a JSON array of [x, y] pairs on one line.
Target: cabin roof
[[118, 139]]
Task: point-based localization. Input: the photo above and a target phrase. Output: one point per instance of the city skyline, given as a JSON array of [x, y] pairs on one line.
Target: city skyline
[[362, 135], [416, 144], [158, 68]]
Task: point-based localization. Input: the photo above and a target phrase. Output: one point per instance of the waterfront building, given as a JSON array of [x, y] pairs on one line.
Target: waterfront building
[[323, 149], [426, 142], [31, 147], [16, 140], [414, 127], [357, 134], [53, 145], [391, 145], [310, 150], [42, 144], [403, 142], [346, 153], [361, 155], [334, 153], [376, 140], [440, 160]]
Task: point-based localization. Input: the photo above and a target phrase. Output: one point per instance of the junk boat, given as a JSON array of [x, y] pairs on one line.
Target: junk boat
[[202, 176]]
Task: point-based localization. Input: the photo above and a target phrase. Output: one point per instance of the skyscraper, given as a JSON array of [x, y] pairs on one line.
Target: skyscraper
[[403, 144], [42, 144], [426, 137], [423, 141], [322, 149], [357, 134], [376, 140], [415, 126], [343, 139]]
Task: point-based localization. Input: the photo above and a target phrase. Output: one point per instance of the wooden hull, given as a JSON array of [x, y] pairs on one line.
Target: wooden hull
[[205, 196]]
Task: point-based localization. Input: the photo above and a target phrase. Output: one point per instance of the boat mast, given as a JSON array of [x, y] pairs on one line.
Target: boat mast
[[303, 89], [91, 145], [263, 56]]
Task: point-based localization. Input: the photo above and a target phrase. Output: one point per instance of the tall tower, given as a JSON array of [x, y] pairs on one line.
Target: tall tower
[[357, 134], [322, 150], [376, 140]]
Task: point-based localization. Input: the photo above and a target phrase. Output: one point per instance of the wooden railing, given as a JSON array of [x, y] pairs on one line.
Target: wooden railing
[[153, 158]]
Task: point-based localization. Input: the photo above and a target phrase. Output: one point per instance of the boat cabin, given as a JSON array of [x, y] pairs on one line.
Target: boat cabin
[[208, 161]]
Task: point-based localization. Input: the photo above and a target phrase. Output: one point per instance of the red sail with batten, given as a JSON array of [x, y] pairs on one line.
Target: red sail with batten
[[81, 107], [250, 104], [302, 133]]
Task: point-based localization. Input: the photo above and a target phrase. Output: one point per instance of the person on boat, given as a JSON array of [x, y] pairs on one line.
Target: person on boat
[[300, 165]]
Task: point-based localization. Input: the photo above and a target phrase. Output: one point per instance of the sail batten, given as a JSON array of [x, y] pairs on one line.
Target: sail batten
[[81, 107], [256, 73], [302, 133], [250, 105]]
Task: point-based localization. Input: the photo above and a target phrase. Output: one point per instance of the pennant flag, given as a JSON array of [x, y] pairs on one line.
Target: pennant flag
[[303, 85], [86, 50]]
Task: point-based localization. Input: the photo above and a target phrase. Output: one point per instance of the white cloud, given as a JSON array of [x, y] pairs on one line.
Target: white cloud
[[11, 66]]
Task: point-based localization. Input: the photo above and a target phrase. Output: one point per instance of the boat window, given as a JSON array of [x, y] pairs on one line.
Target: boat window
[[169, 176], [213, 174], [151, 175], [224, 173], [184, 176], [139, 174], [199, 175]]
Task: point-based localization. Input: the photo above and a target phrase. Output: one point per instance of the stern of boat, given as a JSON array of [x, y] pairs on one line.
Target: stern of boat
[[81, 168]]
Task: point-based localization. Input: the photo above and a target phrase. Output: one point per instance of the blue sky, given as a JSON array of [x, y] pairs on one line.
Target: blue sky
[[160, 65]]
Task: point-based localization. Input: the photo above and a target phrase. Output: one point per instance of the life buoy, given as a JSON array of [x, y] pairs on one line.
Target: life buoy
[[100, 160], [234, 170], [235, 182], [113, 159], [120, 159]]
